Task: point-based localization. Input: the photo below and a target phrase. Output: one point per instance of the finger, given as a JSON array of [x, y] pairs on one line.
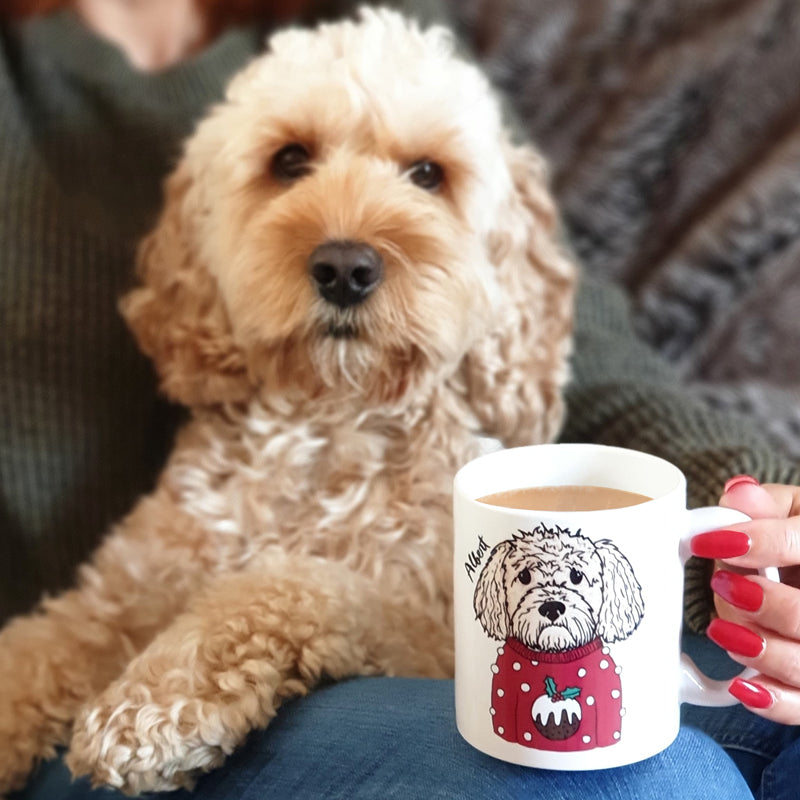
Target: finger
[[766, 652], [756, 544], [761, 501], [754, 600], [768, 698]]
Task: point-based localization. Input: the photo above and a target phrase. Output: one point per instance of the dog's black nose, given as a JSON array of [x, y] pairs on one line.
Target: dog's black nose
[[552, 609], [345, 272]]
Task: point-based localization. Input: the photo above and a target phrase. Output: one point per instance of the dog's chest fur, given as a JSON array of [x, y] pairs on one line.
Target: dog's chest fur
[[371, 490]]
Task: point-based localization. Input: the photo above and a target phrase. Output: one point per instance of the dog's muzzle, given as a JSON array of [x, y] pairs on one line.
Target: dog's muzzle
[[345, 272]]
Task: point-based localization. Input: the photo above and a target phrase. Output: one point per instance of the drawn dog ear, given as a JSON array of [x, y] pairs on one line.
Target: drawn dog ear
[[489, 600], [176, 314], [514, 375], [623, 607]]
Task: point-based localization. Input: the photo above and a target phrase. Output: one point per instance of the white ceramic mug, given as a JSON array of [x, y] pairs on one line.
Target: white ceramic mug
[[568, 624]]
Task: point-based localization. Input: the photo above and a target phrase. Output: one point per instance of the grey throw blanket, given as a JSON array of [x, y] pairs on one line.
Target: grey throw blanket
[[673, 130]]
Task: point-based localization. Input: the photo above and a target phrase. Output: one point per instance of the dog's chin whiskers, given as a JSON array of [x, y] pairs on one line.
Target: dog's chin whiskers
[[555, 639], [342, 360], [345, 370], [344, 330], [573, 630]]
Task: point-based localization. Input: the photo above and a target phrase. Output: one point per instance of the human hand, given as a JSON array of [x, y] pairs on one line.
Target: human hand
[[759, 620]]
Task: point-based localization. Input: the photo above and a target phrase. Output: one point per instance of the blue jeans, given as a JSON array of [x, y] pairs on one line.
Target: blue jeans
[[387, 738]]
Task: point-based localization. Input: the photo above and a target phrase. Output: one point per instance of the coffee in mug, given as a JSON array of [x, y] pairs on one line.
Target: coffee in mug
[[565, 498]]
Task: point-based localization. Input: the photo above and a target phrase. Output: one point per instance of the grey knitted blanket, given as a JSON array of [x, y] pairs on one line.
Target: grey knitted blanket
[[673, 130]]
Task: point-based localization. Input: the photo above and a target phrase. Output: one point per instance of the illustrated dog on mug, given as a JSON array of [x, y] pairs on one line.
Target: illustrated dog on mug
[[556, 599]]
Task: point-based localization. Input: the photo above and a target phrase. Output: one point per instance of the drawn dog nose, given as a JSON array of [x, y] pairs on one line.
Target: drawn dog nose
[[345, 272], [552, 609]]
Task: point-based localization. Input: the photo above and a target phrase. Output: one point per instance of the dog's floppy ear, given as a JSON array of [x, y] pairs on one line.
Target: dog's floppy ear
[[489, 600], [623, 607], [515, 374], [176, 314]]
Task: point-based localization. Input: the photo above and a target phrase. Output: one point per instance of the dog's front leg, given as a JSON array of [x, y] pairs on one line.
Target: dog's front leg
[[75, 644], [223, 667]]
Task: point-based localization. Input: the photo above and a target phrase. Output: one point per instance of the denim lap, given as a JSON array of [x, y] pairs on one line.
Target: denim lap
[[395, 739]]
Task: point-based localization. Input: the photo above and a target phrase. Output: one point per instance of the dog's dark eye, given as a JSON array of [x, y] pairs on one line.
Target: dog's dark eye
[[291, 162], [525, 576], [576, 576], [427, 175]]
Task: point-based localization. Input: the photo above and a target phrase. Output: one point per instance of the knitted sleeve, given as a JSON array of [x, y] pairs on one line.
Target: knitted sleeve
[[622, 393]]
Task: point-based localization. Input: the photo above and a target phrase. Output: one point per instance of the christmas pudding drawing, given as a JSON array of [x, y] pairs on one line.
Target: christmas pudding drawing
[[556, 600], [557, 714]]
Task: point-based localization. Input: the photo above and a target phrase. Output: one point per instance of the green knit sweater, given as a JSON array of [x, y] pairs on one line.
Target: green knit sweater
[[85, 142]]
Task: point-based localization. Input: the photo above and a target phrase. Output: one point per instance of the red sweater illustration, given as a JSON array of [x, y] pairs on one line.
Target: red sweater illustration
[[557, 701]]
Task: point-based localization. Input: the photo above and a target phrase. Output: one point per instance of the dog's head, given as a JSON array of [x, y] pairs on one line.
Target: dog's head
[[353, 220], [554, 591]]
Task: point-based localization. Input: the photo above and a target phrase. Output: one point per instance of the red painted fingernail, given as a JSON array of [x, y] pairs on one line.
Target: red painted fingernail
[[740, 480], [736, 638], [750, 694], [737, 590], [720, 544]]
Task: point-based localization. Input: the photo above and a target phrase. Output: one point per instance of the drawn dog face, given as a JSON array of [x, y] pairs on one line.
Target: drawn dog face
[[554, 590]]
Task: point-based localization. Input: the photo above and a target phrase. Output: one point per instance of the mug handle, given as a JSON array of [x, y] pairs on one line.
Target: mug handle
[[697, 688]]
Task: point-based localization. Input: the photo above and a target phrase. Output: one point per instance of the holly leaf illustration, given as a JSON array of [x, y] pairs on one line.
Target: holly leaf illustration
[[571, 693], [550, 686]]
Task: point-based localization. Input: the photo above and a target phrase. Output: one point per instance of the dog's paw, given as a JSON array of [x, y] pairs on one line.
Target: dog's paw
[[26, 737], [140, 747], [14, 767]]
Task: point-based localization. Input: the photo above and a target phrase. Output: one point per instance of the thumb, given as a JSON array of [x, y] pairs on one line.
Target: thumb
[[745, 494]]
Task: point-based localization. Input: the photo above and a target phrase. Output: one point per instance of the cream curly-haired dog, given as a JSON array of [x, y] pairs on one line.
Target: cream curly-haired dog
[[356, 274]]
